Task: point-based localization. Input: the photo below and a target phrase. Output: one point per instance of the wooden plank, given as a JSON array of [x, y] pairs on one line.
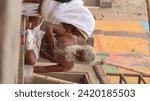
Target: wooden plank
[[51, 79], [87, 79], [78, 77]]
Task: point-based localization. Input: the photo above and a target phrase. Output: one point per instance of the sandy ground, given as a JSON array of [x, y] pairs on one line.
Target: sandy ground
[[124, 10]]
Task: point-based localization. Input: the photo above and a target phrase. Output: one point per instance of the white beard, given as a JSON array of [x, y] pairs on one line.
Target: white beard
[[70, 51], [89, 55]]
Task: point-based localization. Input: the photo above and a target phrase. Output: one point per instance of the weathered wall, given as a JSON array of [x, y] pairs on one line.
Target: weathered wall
[[10, 15]]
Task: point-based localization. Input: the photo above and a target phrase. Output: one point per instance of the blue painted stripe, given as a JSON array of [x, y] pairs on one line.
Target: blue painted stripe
[[145, 25]]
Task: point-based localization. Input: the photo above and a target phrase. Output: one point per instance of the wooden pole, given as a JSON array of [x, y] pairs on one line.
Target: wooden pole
[[148, 12], [101, 74], [22, 52], [51, 79], [10, 19], [123, 67]]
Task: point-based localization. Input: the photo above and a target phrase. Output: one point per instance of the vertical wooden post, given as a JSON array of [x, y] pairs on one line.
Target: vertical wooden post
[[21, 53], [148, 12], [10, 19]]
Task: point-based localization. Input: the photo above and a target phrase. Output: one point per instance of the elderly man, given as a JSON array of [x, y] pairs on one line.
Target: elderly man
[[71, 14], [55, 45]]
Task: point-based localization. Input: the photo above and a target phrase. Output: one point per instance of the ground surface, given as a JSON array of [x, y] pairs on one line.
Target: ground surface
[[124, 10], [121, 36]]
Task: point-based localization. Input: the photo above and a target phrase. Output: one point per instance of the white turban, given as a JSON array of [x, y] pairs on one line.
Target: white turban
[[72, 12]]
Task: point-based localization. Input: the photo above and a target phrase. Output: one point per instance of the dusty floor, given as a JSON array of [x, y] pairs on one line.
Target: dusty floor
[[124, 10]]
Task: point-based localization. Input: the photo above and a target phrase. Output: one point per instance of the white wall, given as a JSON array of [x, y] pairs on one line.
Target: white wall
[[10, 16]]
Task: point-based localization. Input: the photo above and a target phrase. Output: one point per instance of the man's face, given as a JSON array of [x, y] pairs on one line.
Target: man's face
[[80, 54], [73, 54]]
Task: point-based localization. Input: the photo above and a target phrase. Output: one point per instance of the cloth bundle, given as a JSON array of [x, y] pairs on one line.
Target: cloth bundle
[[34, 39]]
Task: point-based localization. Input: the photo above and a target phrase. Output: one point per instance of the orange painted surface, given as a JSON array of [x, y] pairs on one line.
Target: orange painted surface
[[115, 45], [119, 26], [100, 43], [119, 44]]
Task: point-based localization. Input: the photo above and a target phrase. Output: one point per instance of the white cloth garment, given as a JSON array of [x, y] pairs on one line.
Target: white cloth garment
[[73, 13], [33, 39]]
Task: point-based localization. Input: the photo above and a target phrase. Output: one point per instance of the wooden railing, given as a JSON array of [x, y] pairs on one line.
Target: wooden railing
[[122, 77]]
